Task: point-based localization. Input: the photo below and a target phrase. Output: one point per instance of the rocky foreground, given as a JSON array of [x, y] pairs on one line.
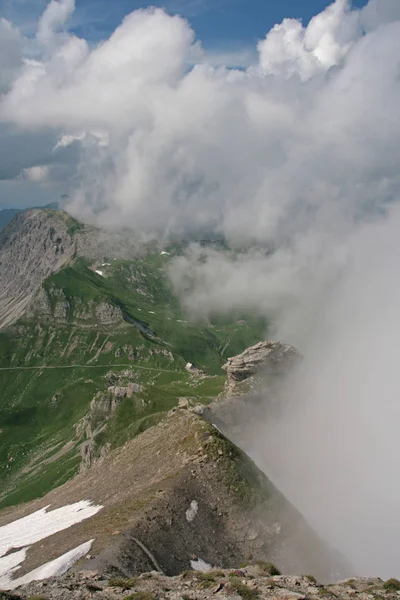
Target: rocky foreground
[[250, 582]]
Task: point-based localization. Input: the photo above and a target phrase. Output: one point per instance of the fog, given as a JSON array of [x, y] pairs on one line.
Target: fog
[[296, 157], [334, 449]]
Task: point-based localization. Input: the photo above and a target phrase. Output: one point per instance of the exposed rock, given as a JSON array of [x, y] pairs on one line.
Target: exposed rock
[[33, 246], [107, 314], [53, 304], [263, 356], [120, 392], [41, 304], [62, 306], [37, 243], [101, 409], [87, 451], [253, 581]]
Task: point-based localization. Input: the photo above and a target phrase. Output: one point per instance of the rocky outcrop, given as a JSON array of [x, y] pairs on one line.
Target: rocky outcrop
[[52, 304], [264, 356], [101, 410], [107, 314], [253, 581], [120, 392]]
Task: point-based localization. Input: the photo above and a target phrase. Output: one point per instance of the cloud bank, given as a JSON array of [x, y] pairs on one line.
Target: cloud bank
[[310, 130], [297, 156]]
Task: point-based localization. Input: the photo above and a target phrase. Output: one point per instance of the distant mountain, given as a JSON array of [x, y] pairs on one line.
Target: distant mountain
[[7, 214]]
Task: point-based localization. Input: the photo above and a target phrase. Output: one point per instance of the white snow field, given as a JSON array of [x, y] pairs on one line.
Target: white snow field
[[54, 568], [21, 534]]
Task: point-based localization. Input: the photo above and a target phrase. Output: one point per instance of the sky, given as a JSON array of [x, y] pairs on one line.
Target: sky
[[228, 31], [218, 23]]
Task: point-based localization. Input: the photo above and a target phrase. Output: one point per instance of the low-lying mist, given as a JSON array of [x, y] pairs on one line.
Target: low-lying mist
[[334, 447]]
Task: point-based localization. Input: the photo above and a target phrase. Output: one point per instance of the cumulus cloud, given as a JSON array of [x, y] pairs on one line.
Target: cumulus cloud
[[36, 174], [296, 156], [290, 48], [251, 153], [53, 19]]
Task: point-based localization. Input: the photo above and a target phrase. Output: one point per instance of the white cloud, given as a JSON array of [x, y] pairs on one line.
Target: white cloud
[[37, 174], [241, 58], [252, 152], [292, 49], [96, 138], [379, 12], [53, 19]]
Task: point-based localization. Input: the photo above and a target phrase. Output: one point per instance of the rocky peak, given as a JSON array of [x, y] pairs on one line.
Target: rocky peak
[[270, 355], [33, 246]]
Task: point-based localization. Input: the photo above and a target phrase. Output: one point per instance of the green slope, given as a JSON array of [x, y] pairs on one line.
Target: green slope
[[54, 362]]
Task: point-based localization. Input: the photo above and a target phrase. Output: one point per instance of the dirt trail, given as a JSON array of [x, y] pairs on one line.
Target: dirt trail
[[108, 366]]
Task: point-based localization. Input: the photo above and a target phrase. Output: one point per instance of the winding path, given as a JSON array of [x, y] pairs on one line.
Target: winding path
[[113, 365]]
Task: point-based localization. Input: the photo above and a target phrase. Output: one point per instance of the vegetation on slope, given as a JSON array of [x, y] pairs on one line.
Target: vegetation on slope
[[58, 357]]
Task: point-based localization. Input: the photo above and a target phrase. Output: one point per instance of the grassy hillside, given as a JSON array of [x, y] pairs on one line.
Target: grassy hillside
[[86, 333]]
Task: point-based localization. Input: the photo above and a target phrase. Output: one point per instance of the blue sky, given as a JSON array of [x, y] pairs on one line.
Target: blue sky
[[220, 24]]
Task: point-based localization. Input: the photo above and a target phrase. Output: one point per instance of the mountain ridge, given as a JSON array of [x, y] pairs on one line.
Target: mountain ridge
[[7, 214]]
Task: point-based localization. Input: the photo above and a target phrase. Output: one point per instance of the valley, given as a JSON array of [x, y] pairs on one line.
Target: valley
[[82, 333]]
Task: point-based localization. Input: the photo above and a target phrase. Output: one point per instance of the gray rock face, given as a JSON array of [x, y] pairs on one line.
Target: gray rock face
[[33, 246], [120, 392], [38, 243], [264, 355], [107, 314]]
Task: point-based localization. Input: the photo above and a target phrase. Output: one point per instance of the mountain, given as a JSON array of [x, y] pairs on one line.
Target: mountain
[[107, 406], [81, 329], [7, 214]]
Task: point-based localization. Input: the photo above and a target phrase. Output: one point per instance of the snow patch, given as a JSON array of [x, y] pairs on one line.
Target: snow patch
[[152, 312], [9, 563], [24, 532], [163, 253], [99, 272], [192, 511], [54, 568], [200, 565]]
